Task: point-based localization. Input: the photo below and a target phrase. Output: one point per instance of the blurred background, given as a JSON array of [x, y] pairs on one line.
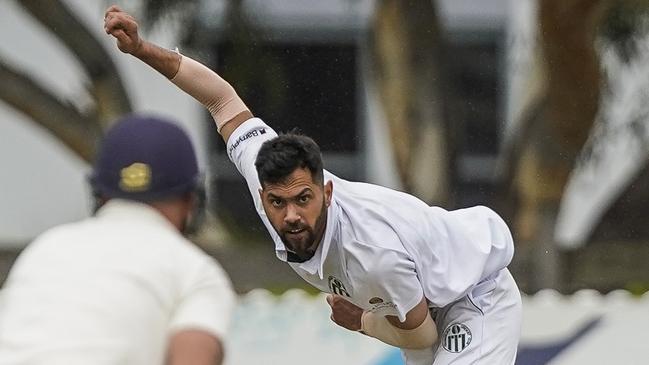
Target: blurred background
[[536, 108]]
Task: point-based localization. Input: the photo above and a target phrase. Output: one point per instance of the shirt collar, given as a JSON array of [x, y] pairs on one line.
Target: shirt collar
[[129, 210]]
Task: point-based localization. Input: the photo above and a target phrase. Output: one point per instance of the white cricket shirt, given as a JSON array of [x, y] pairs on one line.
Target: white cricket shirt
[[109, 290], [384, 249]]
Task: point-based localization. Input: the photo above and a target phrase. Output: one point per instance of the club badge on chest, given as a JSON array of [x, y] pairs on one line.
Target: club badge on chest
[[337, 287]]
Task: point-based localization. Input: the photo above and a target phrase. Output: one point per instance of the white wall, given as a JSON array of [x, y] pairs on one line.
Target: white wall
[[583, 328], [41, 183]]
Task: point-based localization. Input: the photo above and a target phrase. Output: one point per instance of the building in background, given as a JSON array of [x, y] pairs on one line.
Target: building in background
[[316, 76]]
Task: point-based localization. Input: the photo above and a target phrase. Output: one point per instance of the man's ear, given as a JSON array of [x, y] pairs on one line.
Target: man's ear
[[328, 192], [261, 193]]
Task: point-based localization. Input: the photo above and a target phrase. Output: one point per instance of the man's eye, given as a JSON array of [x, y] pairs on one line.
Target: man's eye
[[276, 202], [303, 199]]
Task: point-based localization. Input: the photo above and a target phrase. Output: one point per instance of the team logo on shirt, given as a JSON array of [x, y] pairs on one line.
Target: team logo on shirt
[[337, 287], [378, 304], [251, 134], [456, 337]]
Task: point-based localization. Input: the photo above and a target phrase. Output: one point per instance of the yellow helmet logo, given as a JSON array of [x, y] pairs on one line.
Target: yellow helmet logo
[[135, 178]]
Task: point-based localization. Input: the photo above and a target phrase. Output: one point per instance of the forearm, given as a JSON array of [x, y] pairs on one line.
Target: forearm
[[165, 61], [420, 337], [200, 82], [211, 90], [203, 84]]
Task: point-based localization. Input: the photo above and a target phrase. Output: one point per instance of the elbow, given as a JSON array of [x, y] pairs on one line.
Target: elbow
[[421, 337]]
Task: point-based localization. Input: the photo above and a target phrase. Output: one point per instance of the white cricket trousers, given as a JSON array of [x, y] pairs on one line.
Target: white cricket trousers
[[483, 328]]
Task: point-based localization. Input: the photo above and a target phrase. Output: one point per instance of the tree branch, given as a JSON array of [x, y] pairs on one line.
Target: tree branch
[[76, 131], [107, 87]]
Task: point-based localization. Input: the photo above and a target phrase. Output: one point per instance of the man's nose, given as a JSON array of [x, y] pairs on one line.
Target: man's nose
[[292, 214]]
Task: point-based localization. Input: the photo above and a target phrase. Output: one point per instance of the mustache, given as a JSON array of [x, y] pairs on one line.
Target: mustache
[[291, 227]]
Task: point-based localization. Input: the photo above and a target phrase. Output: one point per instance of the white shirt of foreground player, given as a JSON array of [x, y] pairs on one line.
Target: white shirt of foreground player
[[384, 249], [109, 290]]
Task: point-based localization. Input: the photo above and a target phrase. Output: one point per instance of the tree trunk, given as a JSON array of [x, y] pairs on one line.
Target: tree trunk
[[556, 126], [406, 51]]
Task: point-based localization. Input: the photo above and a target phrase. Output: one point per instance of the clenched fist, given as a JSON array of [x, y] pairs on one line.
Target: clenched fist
[[124, 28]]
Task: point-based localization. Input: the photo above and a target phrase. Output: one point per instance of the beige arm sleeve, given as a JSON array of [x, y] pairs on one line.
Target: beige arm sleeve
[[378, 327], [210, 89]]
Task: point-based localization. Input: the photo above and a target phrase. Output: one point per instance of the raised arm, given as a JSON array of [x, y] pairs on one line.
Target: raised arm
[[197, 80]]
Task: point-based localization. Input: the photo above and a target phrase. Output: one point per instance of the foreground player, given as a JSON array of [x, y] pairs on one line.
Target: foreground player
[[388, 259], [123, 287]]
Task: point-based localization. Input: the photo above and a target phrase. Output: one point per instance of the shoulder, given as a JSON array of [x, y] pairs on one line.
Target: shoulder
[[192, 271], [58, 236], [378, 220], [377, 204]]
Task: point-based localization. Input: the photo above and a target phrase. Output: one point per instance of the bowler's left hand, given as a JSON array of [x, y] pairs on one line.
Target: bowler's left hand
[[344, 313]]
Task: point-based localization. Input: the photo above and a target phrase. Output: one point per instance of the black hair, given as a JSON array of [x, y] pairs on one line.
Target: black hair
[[282, 155]]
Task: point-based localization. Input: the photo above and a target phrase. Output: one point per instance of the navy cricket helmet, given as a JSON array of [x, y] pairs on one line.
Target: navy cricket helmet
[[145, 158]]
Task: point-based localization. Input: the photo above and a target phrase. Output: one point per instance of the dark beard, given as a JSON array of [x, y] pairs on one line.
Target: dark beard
[[318, 230]]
